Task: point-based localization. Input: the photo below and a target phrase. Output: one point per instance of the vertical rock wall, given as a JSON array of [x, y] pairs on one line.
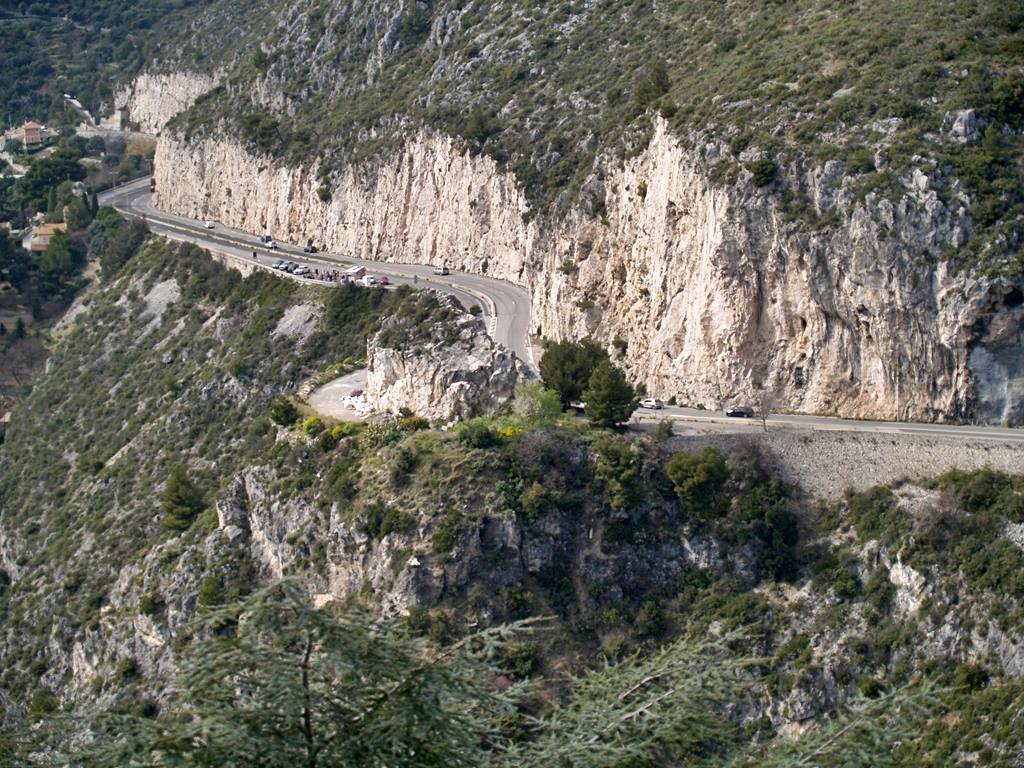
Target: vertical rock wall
[[714, 291]]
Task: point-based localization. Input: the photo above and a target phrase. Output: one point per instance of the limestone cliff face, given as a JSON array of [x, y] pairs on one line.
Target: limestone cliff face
[[153, 99], [458, 374], [715, 292]]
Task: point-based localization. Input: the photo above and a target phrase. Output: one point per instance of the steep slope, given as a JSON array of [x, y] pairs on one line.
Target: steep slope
[[784, 198]]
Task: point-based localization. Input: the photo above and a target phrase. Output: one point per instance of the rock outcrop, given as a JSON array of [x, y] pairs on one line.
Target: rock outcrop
[[716, 292], [153, 99], [458, 373]]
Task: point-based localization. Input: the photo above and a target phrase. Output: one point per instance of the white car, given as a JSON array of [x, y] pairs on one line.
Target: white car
[[301, 270], [442, 270], [651, 402], [209, 225], [369, 281]]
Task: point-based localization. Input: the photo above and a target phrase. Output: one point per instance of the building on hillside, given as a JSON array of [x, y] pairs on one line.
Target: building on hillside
[[32, 134], [38, 238]]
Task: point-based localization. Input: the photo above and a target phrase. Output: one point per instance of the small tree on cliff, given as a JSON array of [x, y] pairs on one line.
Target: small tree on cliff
[[566, 367], [610, 398], [183, 501]]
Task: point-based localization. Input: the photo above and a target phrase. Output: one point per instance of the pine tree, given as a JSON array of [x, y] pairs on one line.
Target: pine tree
[[610, 399], [566, 367], [182, 500], [273, 682], [276, 682]]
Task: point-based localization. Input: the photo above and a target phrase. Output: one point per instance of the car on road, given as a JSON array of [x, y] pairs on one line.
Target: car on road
[[577, 405], [740, 412], [442, 270], [310, 249], [288, 266], [651, 402], [302, 270], [209, 224], [369, 281], [383, 280], [279, 264]]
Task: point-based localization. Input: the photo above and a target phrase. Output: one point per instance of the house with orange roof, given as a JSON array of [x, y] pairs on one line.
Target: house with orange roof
[[38, 238]]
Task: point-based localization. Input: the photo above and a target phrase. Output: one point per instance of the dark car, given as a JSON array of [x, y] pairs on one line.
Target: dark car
[[739, 411], [310, 249]]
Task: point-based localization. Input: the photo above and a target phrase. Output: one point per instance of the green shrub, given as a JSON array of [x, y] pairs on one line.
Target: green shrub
[[127, 670], [210, 592], [183, 501], [861, 161], [447, 534], [699, 480], [283, 411], [762, 172], [151, 604], [412, 424], [477, 433], [312, 426], [42, 703]]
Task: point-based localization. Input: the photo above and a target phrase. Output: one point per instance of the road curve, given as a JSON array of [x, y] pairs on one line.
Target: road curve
[[506, 307], [507, 310]]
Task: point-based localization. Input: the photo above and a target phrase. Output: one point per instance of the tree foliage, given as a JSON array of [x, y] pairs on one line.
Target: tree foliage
[[273, 682], [182, 500], [566, 367], [276, 683], [283, 411], [535, 404], [699, 480], [610, 398]]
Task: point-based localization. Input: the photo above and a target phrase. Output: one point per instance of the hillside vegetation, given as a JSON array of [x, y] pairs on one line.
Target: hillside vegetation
[[548, 88], [57, 47], [155, 476]]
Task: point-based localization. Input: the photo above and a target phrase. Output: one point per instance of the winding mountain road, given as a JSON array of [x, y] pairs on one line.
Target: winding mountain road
[[507, 310], [506, 306]]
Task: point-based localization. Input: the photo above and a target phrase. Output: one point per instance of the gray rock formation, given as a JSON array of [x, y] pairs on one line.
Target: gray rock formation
[[153, 99], [716, 292], [459, 373]]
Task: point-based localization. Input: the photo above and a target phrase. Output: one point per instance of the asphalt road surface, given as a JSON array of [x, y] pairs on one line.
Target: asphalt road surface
[[506, 308]]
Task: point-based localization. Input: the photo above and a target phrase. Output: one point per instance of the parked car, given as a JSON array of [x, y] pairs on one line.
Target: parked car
[[310, 249], [577, 405], [279, 264], [442, 271], [209, 225], [271, 244], [302, 270], [651, 402], [289, 267], [383, 280], [369, 280], [266, 239], [740, 412]]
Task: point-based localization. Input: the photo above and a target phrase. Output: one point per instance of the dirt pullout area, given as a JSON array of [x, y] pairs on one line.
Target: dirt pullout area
[[827, 463], [329, 400]]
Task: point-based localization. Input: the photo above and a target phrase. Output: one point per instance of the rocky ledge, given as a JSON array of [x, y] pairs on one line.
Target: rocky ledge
[[455, 372]]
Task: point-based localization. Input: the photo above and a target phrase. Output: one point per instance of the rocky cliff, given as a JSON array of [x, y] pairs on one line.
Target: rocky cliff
[[714, 290], [456, 372], [151, 99]]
